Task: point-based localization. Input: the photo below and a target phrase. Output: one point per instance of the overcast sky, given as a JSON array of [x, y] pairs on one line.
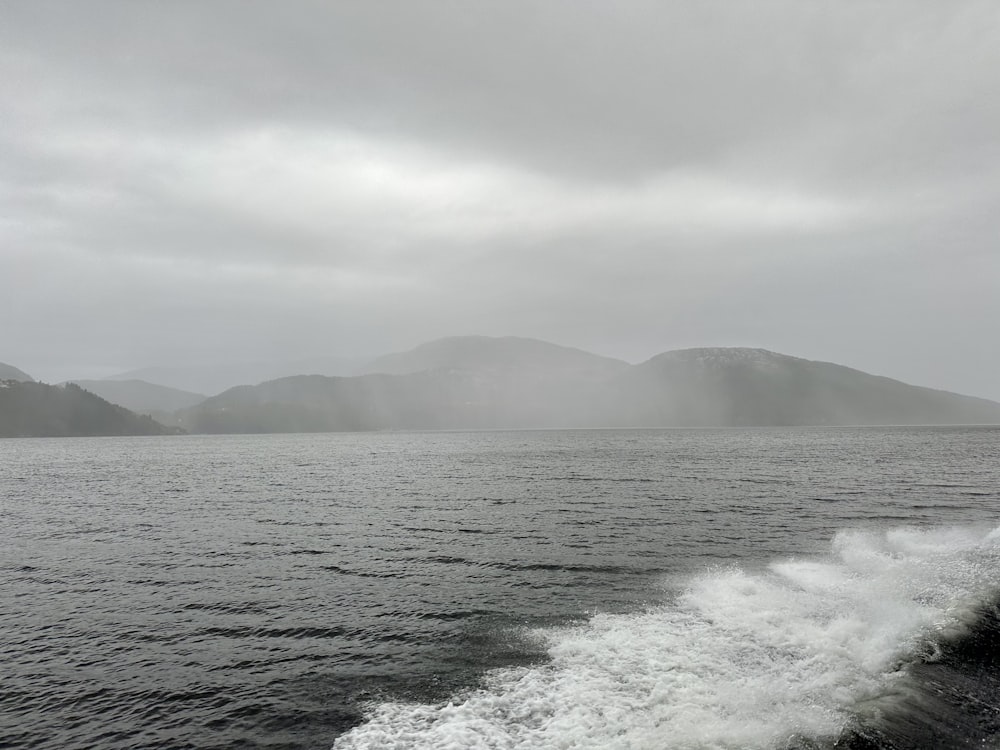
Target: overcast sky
[[197, 182]]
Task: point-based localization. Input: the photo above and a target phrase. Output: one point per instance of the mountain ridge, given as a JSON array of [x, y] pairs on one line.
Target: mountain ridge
[[742, 387], [562, 387], [483, 382], [9, 372], [475, 352], [142, 397], [212, 379], [30, 409]]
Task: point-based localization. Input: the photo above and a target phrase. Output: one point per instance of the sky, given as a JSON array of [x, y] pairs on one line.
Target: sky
[[236, 180]]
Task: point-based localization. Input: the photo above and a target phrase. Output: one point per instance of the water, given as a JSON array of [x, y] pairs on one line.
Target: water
[[798, 588]]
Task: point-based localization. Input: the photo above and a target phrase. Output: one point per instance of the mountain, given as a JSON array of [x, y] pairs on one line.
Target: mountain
[[216, 378], [453, 383], [434, 400], [142, 397], [37, 410], [486, 353], [316, 403], [738, 386], [9, 372], [476, 382], [463, 353]]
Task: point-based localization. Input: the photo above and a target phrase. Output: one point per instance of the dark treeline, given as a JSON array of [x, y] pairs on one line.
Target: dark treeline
[[37, 410]]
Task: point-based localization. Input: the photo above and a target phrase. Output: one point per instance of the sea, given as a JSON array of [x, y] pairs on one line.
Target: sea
[[799, 588]]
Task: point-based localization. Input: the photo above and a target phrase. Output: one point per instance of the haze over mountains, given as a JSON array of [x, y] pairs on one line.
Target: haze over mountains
[[479, 382], [9, 372], [508, 353], [745, 387], [214, 379], [461, 352], [453, 383], [158, 401], [29, 409]]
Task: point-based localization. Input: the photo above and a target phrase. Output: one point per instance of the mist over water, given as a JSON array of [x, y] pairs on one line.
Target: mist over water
[[614, 589]]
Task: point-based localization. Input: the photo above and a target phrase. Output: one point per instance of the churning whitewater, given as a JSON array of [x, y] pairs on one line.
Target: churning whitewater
[[797, 654]]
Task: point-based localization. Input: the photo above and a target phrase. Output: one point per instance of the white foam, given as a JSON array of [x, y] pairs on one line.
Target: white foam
[[740, 660]]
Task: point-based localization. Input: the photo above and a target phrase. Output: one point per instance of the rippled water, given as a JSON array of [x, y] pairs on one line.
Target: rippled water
[[500, 589]]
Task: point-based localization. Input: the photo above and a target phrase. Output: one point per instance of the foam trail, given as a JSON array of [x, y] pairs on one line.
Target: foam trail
[[740, 660]]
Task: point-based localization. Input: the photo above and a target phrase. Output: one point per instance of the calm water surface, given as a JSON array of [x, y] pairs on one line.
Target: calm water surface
[[632, 589]]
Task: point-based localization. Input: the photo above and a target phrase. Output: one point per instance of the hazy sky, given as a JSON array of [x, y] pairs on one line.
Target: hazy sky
[[192, 182]]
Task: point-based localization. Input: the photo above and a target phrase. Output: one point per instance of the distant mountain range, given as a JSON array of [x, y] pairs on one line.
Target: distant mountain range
[[214, 379], [462, 352], [479, 382]]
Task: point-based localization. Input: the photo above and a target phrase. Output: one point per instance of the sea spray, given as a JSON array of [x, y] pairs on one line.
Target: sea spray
[[740, 659]]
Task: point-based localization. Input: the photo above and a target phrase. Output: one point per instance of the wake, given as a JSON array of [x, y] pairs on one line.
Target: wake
[[799, 655]]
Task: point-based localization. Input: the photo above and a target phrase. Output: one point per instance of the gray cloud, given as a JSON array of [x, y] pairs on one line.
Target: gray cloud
[[233, 180]]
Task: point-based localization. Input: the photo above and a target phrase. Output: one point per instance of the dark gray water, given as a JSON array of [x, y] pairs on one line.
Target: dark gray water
[[619, 589]]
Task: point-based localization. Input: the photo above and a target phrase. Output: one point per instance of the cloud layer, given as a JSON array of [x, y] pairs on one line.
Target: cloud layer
[[193, 182]]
